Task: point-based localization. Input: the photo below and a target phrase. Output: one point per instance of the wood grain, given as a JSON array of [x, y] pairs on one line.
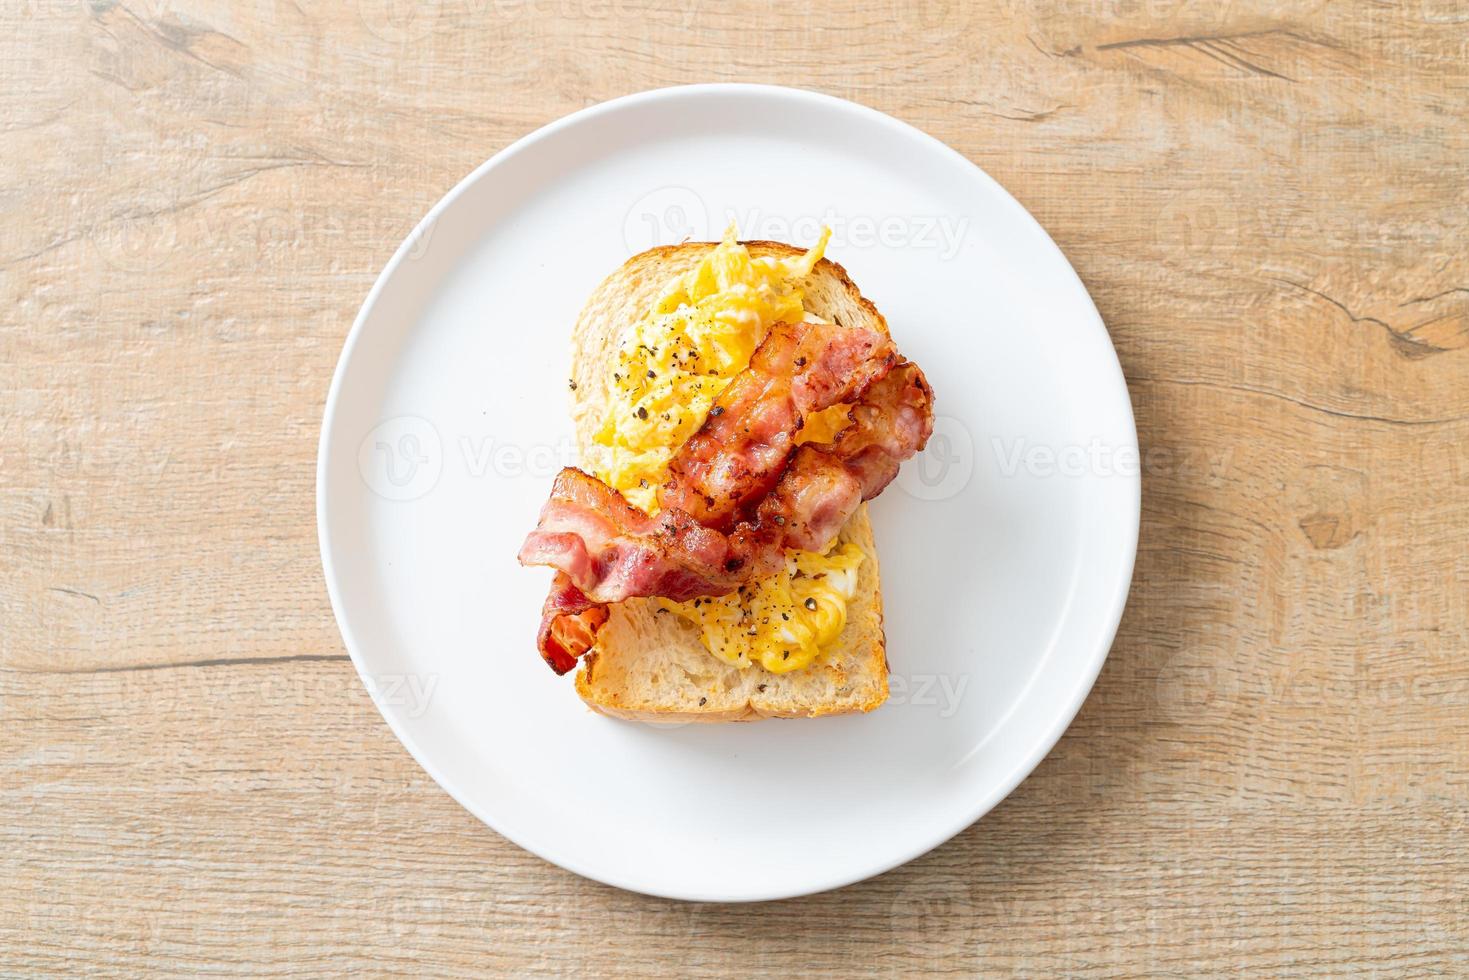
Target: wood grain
[[1269, 202]]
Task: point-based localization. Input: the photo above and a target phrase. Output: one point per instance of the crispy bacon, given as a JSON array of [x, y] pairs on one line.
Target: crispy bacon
[[823, 484], [569, 624], [607, 550], [891, 423], [738, 454], [611, 550]]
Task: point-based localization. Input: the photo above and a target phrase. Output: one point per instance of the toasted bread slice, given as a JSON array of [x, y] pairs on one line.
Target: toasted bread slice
[[652, 666]]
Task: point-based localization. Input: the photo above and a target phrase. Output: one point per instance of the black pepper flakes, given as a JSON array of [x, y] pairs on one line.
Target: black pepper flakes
[[642, 412], [703, 701], [571, 384], [810, 603], [716, 411]]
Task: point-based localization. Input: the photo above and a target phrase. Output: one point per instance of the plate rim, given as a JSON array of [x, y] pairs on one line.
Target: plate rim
[[1085, 679]]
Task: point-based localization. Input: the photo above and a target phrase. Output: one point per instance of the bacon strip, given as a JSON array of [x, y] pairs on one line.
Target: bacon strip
[[611, 550], [569, 624], [824, 483], [738, 454], [606, 550], [890, 424]]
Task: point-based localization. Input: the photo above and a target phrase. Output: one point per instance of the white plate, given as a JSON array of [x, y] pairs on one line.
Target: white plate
[[1006, 548]]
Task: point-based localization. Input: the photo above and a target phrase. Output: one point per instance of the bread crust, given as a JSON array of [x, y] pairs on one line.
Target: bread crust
[[649, 665]]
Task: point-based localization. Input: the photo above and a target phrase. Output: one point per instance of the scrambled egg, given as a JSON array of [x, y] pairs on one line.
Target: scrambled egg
[[781, 622], [671, 367]]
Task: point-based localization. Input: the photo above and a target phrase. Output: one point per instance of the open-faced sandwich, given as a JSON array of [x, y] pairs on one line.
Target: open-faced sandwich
[[735, 404]]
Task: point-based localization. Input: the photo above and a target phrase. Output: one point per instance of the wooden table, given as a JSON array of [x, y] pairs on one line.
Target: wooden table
[[1269, 202]]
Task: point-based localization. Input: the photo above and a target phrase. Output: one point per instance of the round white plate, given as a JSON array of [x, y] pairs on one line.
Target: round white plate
[[1007, 547]]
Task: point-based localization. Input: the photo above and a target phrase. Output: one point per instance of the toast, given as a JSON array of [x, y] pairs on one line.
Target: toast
[[651, 666]]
